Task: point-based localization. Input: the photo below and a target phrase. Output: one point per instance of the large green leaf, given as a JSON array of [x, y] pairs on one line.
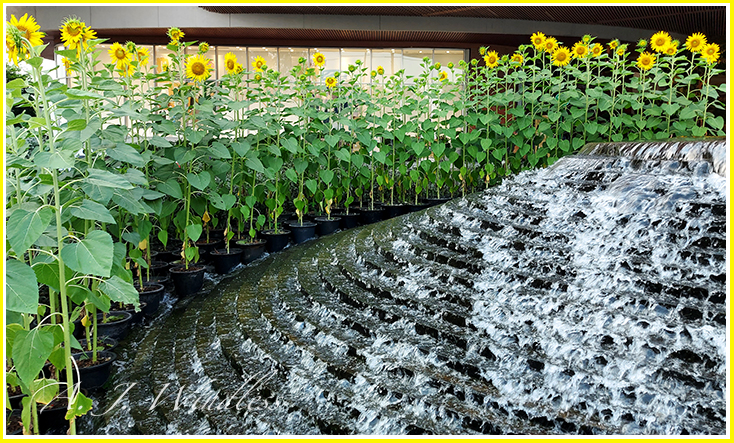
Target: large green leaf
[[200, 181], [91, 210], [119, 290], [79, 406], [255, 164], [44, 390], [126, 153], [100, 177], [170, 187], [194, 232], [218, 150], [93, 255], [31, 349], [24, 227], [21, 287], [54, 160], [326, 175]]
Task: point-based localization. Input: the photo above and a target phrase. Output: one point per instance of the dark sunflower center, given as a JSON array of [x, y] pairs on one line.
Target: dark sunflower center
[[120, 54], [230, 64], [198, 68], [73, 30]]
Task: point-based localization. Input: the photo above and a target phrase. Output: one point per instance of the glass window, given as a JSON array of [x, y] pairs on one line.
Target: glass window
[[161, 58], [412, 60], [289, 58], [269, 54], [446, 56], [238, 51], [332, 61], [350, 56]]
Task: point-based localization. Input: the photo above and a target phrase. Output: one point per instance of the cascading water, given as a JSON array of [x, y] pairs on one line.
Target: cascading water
[[585, 298]]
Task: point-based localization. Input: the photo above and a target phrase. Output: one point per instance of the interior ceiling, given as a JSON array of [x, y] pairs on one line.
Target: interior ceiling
[[710, 20]]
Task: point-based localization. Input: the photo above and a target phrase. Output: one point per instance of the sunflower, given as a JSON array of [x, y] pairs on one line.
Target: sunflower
[[621, 50], [538, 40], [586, 39], [482, 51], [580, 50], [613, 44], [142, 56], [696, 42], [645, 61], [373, 73], [258, 77], [197, 67], [711, 53], [230, 62], [14, 46], [72, 32], [491, 59], [437, 66], [659, 40], [450, 65], [670, 49], [443, 76], [597, 49], [203, 48], [67, 64], [319, 59], [381, 70], [175, 35], [330, 82], [119, 55], [29, 28], [561, 56], [642, 43], [259, 64], [550, 45], [517, 58], [127, 70]]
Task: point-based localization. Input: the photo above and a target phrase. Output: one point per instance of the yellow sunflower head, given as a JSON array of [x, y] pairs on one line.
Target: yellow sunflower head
[[198, 67], [67, 64], [443, 76], [72, 32], [259, 64], [14, 45], [580, 50], [538, 40], [670, 49], [119, 55], [561, 56], [142, 55], [550, 45], [517, 58], [621, 50], [319, 59], [710, 52], [659, 40], [482, 50], [175, 35], [381, 70], [127, 70], [696, 42], [597, 49], [491, 59], [330, 82], [28, 28], [613, 44], [646, 61], [642, 43], [203, 48], [230, 62]]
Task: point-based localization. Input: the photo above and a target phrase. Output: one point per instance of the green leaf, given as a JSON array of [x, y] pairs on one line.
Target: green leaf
[[31, 349], [332, 140], [716, 122], [291, 174], [44, 390], [498, 153], [229, 201], [159, 142], [76, 125], [131, 200], [290, 144], [200, 181], [80, 406], [126, 153], [311, 184], [118, 290], [54, 160], [255, 164], [21, 287], [170, 187], [218, 150], [326, 175], [91, 210], [79, 94], [25, 227], [241, 148], [93, 255], [99, 177], [194, 232]]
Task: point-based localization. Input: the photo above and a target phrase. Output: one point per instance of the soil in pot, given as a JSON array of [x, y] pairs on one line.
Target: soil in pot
[[327, 226], [368, 216], [188, 281], [348, 221], [225, 262], [151, 294], [276, 242], [251, 251], [302, 232], [116, 324], [13, 423], [137, 316], [103, 344]]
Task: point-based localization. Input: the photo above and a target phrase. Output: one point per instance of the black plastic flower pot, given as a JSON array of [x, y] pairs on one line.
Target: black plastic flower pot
[[225, 261], [251, 251], [157, 269], [93, 375], [103, 344], [168, 256], [136, 316], [369, 216], [205, 248], [216, 234], [187, 281], [348, 221], [152, 294], [437, 201], [327, 226], [302, 232], [115, 327], [418, 207], [16, 398], [276, 242], [51, 417], [13, 422], [390, 211]]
